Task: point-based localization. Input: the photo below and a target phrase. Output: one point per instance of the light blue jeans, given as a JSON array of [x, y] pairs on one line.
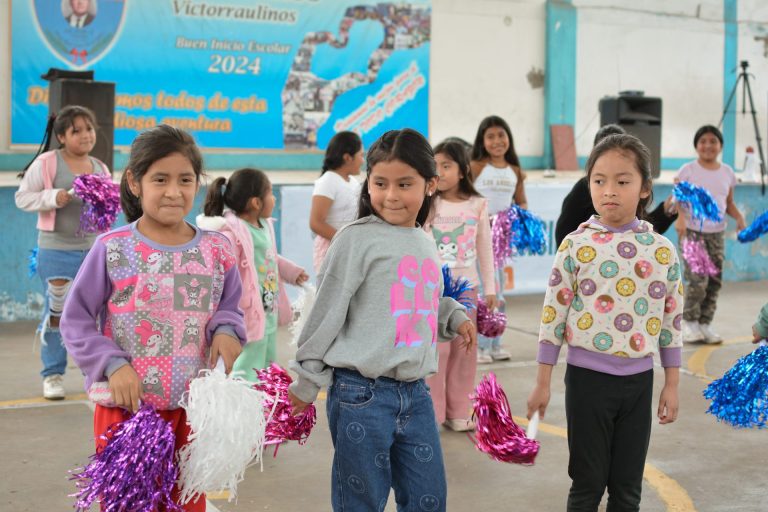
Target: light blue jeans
[[385, 435], [55, 264]]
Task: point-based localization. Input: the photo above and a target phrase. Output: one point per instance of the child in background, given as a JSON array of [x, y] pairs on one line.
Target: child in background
[[334, 199], [760, 328], [371, 337], [462, 232], [496, 175], [247, 222], [61, 249], [701, 291], [157, 300], [615, 297]]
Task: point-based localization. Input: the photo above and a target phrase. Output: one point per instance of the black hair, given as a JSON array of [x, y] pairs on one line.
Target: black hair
[[407, 146], [707, 128], [478, 149], [457, 152], [58, 124], [627, 145], [235, 193], [149, 147], [343, 143], [608, 129]]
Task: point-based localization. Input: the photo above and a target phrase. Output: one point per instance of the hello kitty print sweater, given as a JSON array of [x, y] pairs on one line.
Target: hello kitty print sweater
[[462, 233], [156, 307], [616, 297]]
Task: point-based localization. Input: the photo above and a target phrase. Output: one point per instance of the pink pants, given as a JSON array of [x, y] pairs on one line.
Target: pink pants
[[455, 377], [319, 248]]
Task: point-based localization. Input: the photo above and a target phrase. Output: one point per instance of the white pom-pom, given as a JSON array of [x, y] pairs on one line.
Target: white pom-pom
[[301, 309], [226, 416]]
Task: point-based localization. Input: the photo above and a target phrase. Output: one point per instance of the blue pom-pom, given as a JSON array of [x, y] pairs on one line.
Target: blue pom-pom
[[528, 235], [740, 397], [758, 228], [457, 288], [701, 204], [33, 262]]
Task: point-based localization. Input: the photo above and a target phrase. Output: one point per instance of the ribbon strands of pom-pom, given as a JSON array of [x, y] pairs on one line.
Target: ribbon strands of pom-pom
[[697, 258], [490, 324], [740, 397], [226, 416], [281, 424], [496, 432], [501, 237], [528, 236], [135, 470], [101, 202], [457, 288], [758, 228], [33, 261], [700, 203]]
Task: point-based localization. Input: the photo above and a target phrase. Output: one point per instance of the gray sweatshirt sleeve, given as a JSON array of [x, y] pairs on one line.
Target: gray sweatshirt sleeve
[[450, 316]]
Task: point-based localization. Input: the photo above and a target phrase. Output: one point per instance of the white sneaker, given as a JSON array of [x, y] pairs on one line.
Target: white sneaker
[[692, 332], [499, 354], [484, 356], [53, 387], [710, 336], [460, 425]]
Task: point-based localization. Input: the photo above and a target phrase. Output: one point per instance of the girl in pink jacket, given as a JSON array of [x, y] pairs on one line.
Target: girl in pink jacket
[[249, 201]]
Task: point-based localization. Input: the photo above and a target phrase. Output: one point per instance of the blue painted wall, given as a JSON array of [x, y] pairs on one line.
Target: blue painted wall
[[730, 75]]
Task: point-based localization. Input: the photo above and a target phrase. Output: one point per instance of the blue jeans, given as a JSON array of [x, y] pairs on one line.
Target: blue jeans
[[55, 264], [385, 435]]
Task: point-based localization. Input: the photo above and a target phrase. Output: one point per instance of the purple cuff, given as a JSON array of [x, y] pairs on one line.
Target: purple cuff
[[548, 353], [671, 357]]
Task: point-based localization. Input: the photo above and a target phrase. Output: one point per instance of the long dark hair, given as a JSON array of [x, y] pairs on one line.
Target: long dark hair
[[236, 192], [409, 147], [149, 147], [478, 148], [707, 128], [57, 125], [456, 151], [343, 143], [628, 145]]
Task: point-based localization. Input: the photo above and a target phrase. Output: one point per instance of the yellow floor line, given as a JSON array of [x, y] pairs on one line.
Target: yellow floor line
[[697, 363], [674, 496], [40, 400]]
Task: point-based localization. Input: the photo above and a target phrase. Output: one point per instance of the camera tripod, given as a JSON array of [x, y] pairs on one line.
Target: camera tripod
[[747, 94]]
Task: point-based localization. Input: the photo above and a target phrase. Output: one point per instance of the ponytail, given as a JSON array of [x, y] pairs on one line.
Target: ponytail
[[45, 144], [214, 199]]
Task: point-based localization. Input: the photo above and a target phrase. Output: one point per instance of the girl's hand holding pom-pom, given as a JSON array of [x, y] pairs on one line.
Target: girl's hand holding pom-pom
[[63, 198], [538, 400], [228, 348], [297, 405], [491, 302], [468, 332], [125, 386], [303, 278]]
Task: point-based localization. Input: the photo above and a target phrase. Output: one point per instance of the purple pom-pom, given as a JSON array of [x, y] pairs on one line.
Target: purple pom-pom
[[134, 471], [501, 236], [490, 324], [697, 258], [496, 433], [101, 202], [758, 228]]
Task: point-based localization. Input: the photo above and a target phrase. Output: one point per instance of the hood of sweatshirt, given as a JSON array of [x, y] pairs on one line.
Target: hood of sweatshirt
[[595, 225]]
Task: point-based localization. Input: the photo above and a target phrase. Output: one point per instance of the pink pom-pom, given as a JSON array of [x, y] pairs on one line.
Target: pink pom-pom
[[501, 237], [496, 432], [698, 259], [281, 424], [101, 202], [490, 324]]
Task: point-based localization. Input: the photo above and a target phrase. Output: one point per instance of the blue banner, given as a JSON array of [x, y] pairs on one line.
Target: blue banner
[[237, 74]]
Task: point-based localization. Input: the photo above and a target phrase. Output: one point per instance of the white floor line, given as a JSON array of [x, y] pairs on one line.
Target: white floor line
[[44, 404]]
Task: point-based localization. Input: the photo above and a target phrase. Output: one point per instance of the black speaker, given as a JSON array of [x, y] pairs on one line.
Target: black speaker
[[640, 116], [97, 96]]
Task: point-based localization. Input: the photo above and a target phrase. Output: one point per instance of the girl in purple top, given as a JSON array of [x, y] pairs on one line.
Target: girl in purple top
[[157, 300]]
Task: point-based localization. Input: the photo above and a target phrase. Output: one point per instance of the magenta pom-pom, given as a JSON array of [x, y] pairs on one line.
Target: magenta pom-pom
[[496, 433], [281, 424], [697, 258], [101, 202], [134, 471], [501, 237], [490, 324]]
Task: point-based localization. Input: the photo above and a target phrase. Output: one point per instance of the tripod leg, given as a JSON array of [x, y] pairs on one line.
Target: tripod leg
[[757, 134], [730, 99]]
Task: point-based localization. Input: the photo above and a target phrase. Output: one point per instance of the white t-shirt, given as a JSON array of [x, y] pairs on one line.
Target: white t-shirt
[[498, 186], [344, 194]]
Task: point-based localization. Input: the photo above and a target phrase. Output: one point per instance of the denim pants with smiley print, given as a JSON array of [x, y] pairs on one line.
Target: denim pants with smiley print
[[385, 436]]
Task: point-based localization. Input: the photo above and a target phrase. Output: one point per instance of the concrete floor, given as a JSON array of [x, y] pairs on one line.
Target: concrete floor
[[693, 464]]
